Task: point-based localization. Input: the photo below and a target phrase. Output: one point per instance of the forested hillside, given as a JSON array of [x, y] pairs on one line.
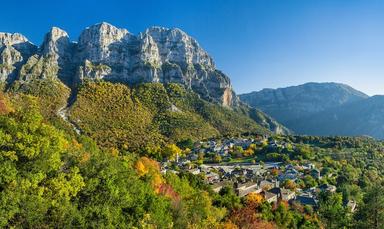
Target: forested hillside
[[53, 178], [48, 179]]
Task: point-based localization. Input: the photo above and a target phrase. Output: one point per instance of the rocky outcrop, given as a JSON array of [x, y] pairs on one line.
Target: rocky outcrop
[[93, 72], [19, 42], [37, 67], [102, 43], [9, 59], [56, 43], [15, 49], [58, 47]]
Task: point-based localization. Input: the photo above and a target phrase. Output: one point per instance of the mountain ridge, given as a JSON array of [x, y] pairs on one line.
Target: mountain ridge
[[294, 102], [59, 69], [104, 51], [359, 118], [331, 109]]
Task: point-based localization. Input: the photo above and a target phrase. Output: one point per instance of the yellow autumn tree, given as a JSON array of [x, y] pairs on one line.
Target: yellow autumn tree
[[171, 151], [140, 168], [114, 152], [157, 181], [146, 166], [254, 199], [85, 157], [248, 152]]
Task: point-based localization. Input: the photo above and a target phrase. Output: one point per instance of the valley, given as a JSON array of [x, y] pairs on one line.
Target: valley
[[63, 113], [123, 130]]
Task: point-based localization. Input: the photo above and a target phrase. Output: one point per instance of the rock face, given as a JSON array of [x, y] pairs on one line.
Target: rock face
[[106, 52], [57, 44], [103, 43], [156, 55], [9, 59], [19, 42], [60, 50], [15, 49]]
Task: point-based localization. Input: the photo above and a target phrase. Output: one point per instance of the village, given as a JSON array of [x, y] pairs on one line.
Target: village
[[232, 163]]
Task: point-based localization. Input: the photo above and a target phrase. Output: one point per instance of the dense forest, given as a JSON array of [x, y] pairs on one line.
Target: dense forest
[[109, 176]]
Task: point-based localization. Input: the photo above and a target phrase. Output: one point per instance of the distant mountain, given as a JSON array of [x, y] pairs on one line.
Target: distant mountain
[[292, 103], [162, 85], [303, 108], [364, 117]]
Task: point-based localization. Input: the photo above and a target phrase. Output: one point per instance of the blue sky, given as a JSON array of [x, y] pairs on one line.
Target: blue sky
[[258, 43]]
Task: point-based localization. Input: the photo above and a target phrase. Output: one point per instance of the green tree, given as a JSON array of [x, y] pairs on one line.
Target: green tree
[[185, 144], [227, 198], [266, 211], [371, 213], [195, 207], [332, 212], [283, 217], [37, 186], [309, 181]]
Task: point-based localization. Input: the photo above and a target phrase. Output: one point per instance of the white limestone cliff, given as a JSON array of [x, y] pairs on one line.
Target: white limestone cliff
[[104, 51]]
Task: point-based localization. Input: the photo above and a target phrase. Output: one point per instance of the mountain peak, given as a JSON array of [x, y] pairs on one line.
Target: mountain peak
[[160, 29], [105, 28], [103, 24], [181, 46], [12, 39], [57, 33], [94, 41], [56, 42], [15, 49]]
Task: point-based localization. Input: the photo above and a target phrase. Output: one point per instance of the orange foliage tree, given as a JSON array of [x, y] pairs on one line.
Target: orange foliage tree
[[275, 172], [248, 152], [146, 166], [247, 217], [228, 225]]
